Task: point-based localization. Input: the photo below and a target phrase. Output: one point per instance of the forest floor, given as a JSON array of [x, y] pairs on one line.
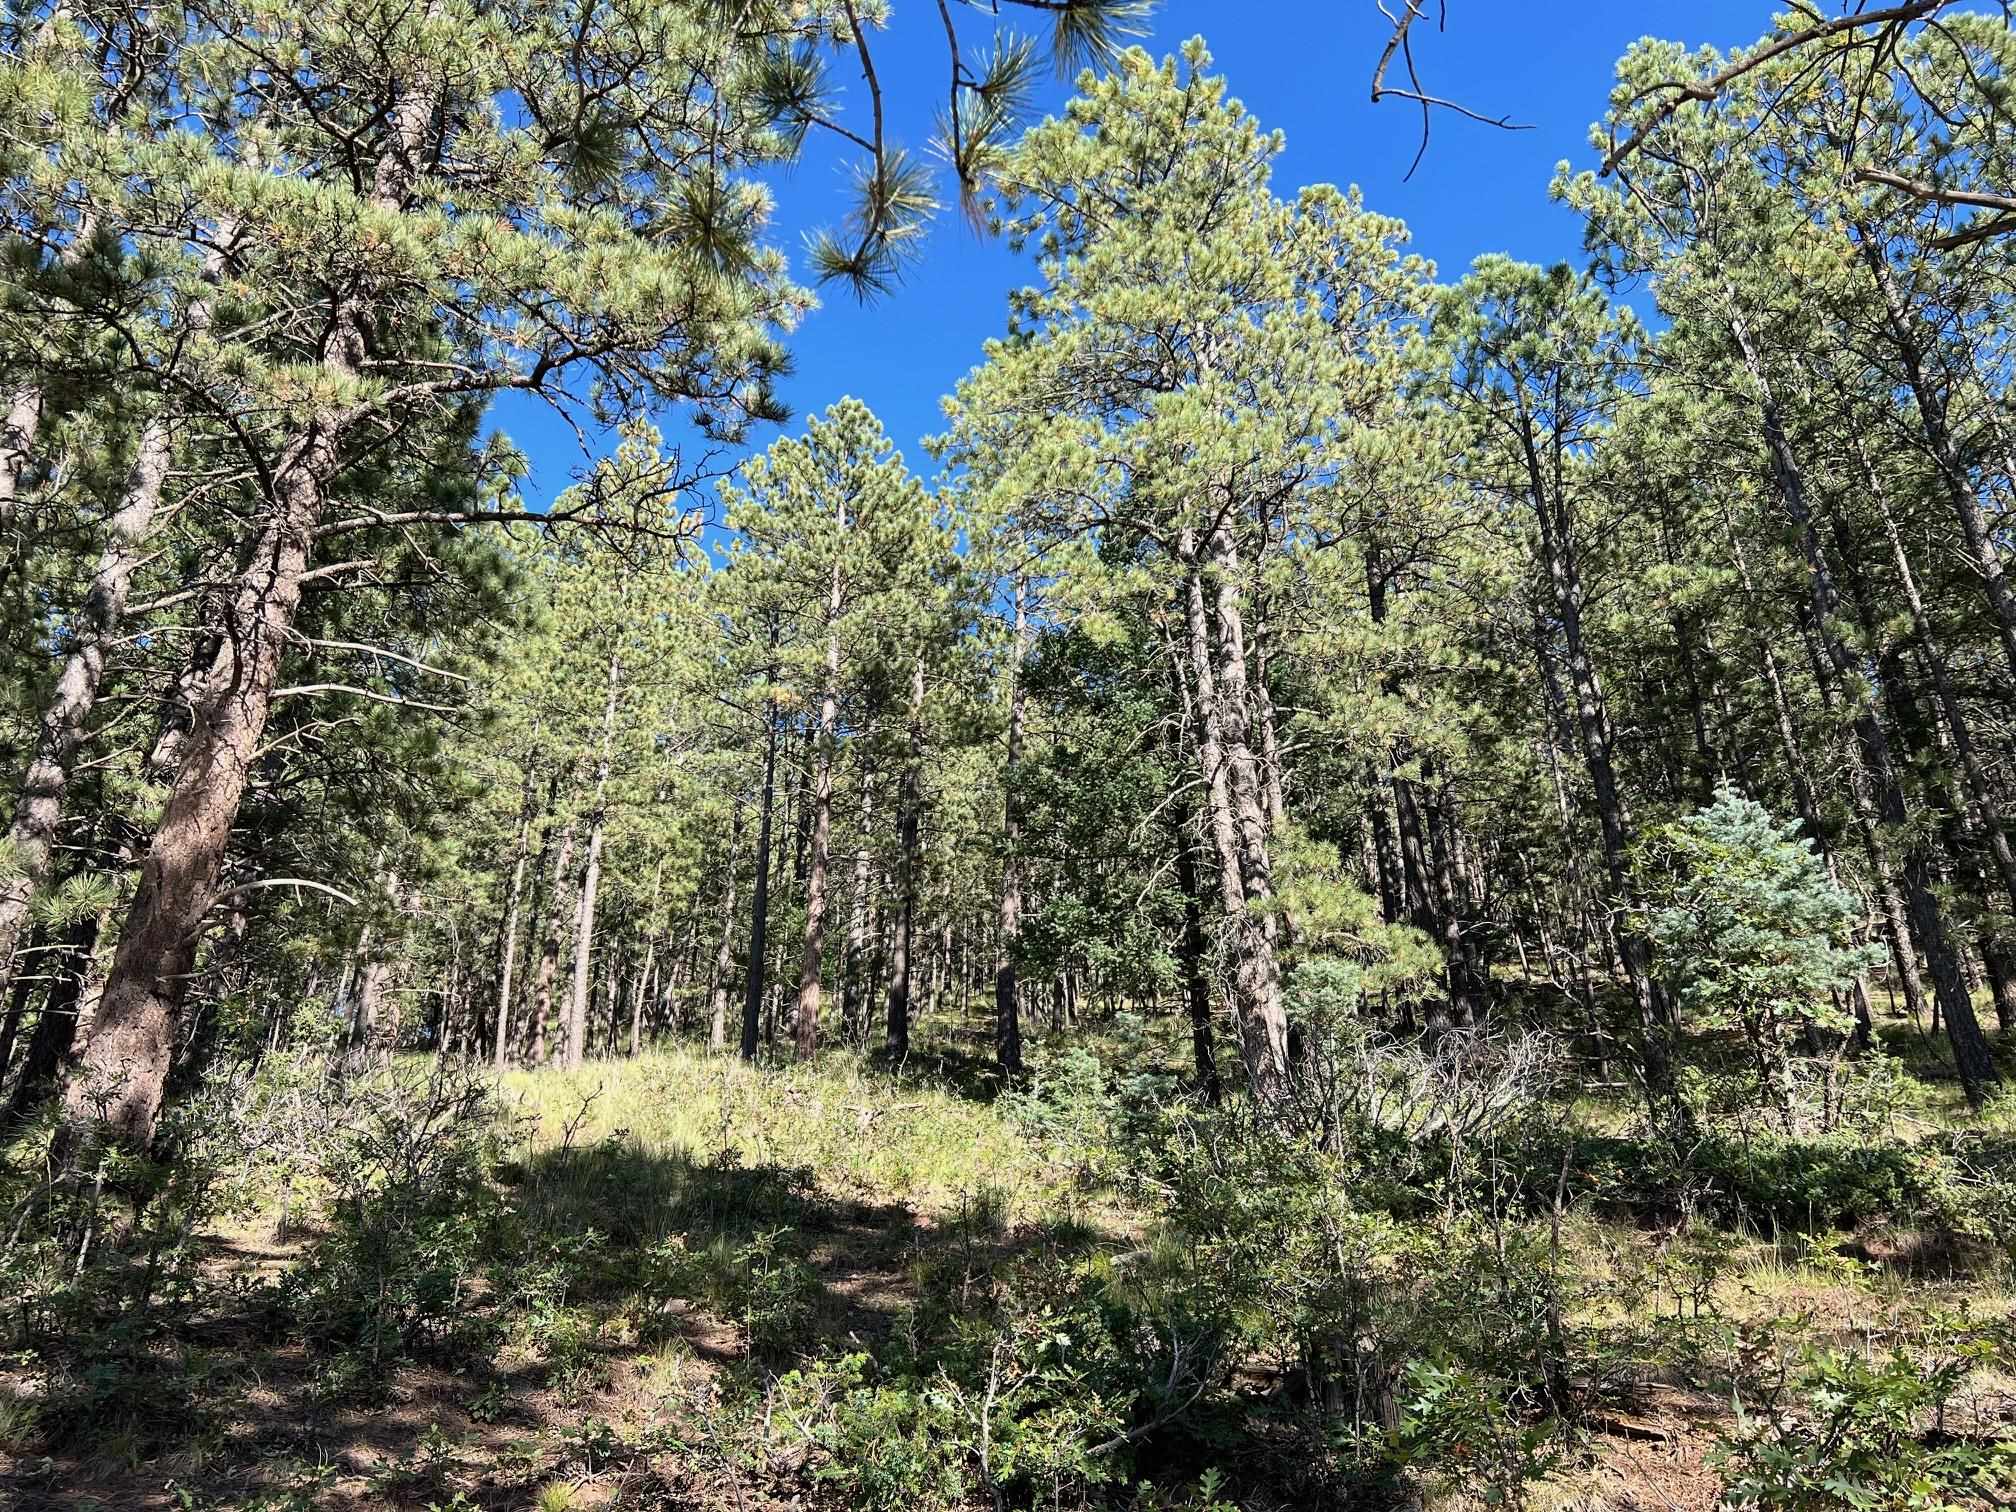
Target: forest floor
[[877, 1187]]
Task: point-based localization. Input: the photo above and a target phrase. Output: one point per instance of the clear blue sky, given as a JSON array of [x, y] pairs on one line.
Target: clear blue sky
[[1303, 66]]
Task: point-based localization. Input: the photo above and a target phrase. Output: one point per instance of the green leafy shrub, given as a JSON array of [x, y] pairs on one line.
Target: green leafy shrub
[[412, 1216], [1464, 1428], [1868, 1437]]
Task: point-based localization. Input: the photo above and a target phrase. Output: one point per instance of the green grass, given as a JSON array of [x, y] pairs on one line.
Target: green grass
[[864, 1133]]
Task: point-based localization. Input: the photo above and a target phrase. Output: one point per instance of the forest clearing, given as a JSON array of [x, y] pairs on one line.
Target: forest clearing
[[682, 839]]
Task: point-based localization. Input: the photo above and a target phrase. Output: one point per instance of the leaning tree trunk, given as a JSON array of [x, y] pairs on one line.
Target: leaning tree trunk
[[1977, 533], [122, 1075], [1980, 789], [1874, 787], [65, 722]]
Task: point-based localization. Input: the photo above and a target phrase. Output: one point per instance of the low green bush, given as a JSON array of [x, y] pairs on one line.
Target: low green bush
[[1868, 1435]]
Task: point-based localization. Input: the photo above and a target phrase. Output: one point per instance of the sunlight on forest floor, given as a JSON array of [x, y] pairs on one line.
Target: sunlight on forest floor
[[697, 1248]]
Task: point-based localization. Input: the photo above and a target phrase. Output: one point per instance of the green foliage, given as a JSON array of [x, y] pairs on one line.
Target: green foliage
[[1752, 933], [1461, 1426], [411, 1213], [1869, 1435]]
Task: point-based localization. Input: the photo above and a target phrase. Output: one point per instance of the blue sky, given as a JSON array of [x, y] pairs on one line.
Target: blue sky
[[1303, 66]]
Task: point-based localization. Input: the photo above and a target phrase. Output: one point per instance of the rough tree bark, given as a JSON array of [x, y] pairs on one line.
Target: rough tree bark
[[65, 722], [1256, 981], [122, 1074]]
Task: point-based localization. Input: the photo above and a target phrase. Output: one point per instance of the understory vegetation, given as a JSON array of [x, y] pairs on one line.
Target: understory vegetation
[[1357, 886], [675, 1280]]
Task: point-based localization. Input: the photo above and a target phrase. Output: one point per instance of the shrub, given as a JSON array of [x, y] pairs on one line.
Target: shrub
[[411, 1216], [1868, 1437]]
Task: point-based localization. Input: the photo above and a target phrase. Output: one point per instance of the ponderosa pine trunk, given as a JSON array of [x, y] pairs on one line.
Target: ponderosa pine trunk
[[508, 948], [896, 1033], [122, 1075], [1234, 823], [65, 722], [591, 878], [812, 959], [1007, 981]]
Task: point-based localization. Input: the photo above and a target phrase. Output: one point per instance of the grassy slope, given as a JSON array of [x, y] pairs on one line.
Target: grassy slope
[[884, 1188]]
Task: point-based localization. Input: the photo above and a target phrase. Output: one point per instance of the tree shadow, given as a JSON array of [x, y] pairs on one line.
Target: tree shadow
[[609, 1259], [971, 1075]]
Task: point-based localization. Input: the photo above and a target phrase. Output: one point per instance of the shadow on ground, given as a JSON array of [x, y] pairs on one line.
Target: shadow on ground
[[617, 1286]]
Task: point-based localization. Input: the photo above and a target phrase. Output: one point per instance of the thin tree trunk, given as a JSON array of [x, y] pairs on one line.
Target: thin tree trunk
[[1592, 718], [724, 950], [812, 960], [853, 994], [896, 1038], [56, 1030], [759, 920], [1007, 982], [549, 947], [1875, 770], [17, 1000], [591, 878], [1191, 954], [1976, 532], [508, 951]]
